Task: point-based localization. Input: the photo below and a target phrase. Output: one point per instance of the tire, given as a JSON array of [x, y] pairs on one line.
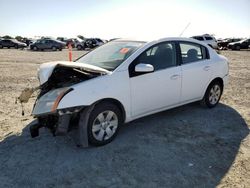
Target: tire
[[1, 46], [16, 46], [213, 94], [79, 47], [53, 48], [104, 123], [35, 48], [237, 47]]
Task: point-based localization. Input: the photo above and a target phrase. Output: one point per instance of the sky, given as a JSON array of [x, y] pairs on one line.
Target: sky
[[139, 19]]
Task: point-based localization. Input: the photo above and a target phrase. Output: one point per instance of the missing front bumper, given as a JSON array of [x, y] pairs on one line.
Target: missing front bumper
[[65, 121]]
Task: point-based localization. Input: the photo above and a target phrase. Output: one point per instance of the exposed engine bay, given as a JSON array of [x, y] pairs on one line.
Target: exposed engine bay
[[66, 76]]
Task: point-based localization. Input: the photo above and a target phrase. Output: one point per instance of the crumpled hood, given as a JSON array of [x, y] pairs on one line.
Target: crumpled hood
[[46, 69]]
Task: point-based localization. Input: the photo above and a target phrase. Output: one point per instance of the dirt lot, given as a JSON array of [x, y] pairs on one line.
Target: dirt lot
[[189, 146]]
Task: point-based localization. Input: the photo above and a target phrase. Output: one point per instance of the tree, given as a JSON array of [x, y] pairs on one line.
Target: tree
[[7, 37], [19, 38]]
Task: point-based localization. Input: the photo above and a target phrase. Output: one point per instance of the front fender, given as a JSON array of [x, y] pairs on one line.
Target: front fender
[[109, 86]]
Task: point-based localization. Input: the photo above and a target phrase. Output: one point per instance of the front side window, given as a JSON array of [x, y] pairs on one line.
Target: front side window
[[161, 56], [111, 55], [192, 52]]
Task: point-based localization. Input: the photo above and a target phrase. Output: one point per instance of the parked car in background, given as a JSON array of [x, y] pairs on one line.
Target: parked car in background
[[117, 83], [93, 42], [208, 39], [12, 43], [63, 39], [89, 43], [243, 44], [80, 44], [222, 45], [47, 44], [28, 41], [72, 42]]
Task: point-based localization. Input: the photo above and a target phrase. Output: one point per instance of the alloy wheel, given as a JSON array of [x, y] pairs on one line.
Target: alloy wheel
[[214, 94], [105, 125]]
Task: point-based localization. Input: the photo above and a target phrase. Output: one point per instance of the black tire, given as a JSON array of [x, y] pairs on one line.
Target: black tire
[[1, 46], [35, 48], [103, 108], [213, 94], [237, 47], [53, 48], [16, 46], [79, 47]]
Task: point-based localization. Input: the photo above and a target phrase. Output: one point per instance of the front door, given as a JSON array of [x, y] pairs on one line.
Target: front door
[[159, 89]]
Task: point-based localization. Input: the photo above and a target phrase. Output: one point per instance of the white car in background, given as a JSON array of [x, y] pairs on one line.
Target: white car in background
[[208, 39], [124, 80]]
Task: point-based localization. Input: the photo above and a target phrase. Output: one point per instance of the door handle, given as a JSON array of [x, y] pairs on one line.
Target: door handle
[[175, 77], [206, 68]]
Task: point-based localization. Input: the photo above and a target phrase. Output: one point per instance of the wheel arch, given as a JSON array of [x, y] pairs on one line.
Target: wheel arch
[[217, 79], [117, 103]]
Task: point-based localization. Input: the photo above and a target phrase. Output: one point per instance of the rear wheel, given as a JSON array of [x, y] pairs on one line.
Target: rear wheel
[[54, 48], [104, 123], [1, 46], [16, 46], [213, 94], [79, 47], [237, 47]]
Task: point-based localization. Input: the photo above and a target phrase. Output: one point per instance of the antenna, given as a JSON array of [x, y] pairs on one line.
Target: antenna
[[184, 29]]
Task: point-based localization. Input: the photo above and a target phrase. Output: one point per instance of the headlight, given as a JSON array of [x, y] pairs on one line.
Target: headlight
[[48, 102]]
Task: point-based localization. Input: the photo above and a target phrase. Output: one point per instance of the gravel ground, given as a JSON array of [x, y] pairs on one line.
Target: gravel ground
[[189, 146]]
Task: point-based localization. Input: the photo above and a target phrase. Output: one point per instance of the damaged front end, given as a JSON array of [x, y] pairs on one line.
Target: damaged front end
[[45, 110], [56, 84]]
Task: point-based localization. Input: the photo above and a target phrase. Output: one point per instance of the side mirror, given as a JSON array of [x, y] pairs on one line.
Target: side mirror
[[144, 68]]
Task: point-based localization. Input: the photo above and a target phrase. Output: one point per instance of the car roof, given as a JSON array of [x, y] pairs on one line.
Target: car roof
[[164, 39]]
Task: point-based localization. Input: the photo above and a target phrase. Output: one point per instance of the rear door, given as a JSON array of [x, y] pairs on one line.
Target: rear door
[[196, 70]]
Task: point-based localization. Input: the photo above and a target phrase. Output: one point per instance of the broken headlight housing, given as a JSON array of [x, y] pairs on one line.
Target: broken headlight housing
[[49, 101]]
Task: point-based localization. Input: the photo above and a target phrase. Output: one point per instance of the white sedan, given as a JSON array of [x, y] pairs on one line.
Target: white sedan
[[124, 80]]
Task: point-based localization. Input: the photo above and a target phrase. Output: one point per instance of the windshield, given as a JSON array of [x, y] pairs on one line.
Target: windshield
[[111, 55]]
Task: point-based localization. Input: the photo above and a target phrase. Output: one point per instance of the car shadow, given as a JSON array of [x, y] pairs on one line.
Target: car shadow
[[189, 146]]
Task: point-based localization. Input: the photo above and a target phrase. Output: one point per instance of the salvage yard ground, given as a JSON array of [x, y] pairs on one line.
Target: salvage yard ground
[[189, 146]]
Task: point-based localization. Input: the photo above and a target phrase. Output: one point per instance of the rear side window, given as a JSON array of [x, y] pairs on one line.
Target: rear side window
[[191, 52]]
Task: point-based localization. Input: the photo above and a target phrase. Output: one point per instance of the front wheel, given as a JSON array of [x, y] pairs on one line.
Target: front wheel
[[104, 123], [213, 94]]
